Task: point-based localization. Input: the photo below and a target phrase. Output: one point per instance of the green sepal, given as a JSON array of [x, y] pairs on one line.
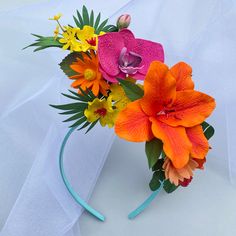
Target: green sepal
[[153, 151], [132, 91], [169, 187]]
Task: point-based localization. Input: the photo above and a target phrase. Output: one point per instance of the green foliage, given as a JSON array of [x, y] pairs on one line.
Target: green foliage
[[208, 130], [44, 42], [158, 165], [157, 178], [76, 109], [86, 18], [132, 91], [67, 62], [169, 187], [153, 151]]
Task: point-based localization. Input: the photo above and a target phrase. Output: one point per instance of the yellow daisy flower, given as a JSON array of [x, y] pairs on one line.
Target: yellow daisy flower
[[69, 39]]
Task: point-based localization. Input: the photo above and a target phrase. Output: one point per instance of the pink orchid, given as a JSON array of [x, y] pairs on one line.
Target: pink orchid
[[121, 55]]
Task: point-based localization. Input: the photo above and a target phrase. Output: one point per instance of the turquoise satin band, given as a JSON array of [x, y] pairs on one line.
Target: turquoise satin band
[[81, 202]]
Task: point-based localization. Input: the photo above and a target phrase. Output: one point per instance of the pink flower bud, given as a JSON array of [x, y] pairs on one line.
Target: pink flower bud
[[123, 21]]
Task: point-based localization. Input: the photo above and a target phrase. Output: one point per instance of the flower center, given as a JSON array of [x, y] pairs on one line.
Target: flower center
[[92, 41], [89, 74], [129, 62], [101, 112]]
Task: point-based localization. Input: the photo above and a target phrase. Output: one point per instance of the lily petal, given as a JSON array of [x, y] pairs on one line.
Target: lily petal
[[133, 124], [189, 109], [176, 144], [199, 142], [183, 75], [159, 89]]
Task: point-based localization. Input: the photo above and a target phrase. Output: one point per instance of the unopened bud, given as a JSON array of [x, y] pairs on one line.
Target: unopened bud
[[123, 21]]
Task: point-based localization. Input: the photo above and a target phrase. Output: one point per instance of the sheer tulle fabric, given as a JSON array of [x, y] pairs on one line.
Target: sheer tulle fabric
[[31, 132]]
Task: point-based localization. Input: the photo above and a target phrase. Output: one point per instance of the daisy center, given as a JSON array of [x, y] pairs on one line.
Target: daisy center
[[89, 74], [101, 112]]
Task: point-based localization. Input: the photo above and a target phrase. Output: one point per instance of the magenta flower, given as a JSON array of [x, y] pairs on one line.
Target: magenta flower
[[121, 55]]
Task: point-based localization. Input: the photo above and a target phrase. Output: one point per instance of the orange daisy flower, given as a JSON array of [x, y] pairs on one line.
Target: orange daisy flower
[[170, 111], [89, 76]]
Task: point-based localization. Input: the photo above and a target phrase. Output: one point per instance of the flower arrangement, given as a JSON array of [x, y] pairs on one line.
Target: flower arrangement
[[121, 81]]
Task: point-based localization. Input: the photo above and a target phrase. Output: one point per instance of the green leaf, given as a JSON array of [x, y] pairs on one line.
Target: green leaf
[[80, 19], [84, 125], [71, 106], [153, 150], [169, 187], [79, 122], [77, 22], [158, 165], [97, 21], [67, 61], [68, 112], [44, 42], [91, 126], [79, 115], [209, 132], [132, 91], [91, 20], [110, 28], [157, 178], [100, 28], [85, 15], [80, 97], [71, 97]]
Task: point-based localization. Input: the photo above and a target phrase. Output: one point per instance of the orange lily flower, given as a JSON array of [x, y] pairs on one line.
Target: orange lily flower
[[89, 76], [171, 111]]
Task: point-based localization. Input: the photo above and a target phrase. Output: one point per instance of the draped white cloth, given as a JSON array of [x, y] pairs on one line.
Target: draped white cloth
[[34, 200]]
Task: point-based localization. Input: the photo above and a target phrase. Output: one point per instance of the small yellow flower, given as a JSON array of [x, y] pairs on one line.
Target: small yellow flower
[[56, 32], [56, 17], [69, 38], [119, 97], [101, 109], [87, 38]]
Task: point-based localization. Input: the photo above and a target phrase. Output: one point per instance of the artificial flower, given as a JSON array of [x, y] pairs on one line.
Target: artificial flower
[[118, 96], [89, 76], [123, 21], [56, 32], [171, 115], [121, 55], [56, 17], [179, 175], [69, 39], [101, 109], [87, 39]]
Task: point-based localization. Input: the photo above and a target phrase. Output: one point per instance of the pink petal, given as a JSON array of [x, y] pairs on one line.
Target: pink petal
[[128, 39], [138, 76], [150, 51], [109, 48]]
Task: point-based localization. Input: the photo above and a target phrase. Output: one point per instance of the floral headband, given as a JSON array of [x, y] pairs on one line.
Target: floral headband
[[105, 63]]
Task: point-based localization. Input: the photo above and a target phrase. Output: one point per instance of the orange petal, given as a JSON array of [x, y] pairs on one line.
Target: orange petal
[[199, 142], [176, 144], [77, 83], [78, 67], [189, 109], [159, 88], [95, 88], [183, 75], [133, 124]]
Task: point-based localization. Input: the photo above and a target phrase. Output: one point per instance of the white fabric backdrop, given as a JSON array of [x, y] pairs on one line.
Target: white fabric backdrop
[[200, 33]]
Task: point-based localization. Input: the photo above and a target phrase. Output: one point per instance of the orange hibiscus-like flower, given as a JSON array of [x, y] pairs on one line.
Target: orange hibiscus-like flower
[[171, 111], [89, 76]]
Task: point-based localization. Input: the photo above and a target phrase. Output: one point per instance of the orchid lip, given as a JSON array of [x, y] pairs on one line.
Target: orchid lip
[[129, 62]]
